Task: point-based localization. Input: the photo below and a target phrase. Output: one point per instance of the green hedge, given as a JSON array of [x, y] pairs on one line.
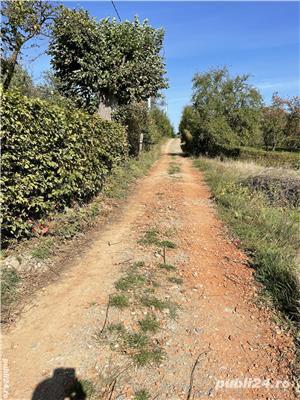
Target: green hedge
[[51, 158]]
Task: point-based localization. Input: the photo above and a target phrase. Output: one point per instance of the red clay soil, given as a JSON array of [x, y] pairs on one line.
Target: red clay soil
[[220, 335]]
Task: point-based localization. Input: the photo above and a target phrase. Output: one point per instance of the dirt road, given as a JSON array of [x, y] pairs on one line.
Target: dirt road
[[217, 316]]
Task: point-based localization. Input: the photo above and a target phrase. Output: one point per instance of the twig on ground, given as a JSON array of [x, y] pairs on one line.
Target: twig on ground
[[236, 280], [112, 388], [237, 261], [106, 316], [123, 262], [192, 373]]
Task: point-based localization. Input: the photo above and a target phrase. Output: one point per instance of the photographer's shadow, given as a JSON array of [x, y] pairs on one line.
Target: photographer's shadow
[[63, 385]]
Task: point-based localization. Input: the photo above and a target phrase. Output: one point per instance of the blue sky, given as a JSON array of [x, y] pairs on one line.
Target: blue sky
[[260, 38]]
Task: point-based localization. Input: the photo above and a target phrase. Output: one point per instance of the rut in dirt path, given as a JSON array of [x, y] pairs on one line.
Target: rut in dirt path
[[217, 322]]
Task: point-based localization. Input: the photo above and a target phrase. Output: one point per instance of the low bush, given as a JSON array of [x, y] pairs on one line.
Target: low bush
[[143, 125], [281, 191], [51, 157]]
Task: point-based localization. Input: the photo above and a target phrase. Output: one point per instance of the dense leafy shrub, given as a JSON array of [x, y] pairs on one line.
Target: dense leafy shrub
[[135, 118], [142, 124], [225, 112], [52, 157]]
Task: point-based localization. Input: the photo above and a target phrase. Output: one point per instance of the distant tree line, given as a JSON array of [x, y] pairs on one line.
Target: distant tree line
[[227, 112]]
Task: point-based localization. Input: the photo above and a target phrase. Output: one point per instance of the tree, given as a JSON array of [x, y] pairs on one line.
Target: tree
[[22, 21], [162, 122], [104, 64], [21, 81], [274, 123], [292, 128], [229, 108]]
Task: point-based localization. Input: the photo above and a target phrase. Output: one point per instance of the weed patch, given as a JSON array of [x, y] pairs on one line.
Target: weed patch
[[168, 267], [144, 357], [130, 281], [142, 395], [161, 305], [168, 244], [119, 301], [43, 250], [174, 279], [9, 283], [136, 340], [151, 237], [174, 168], [149, 324]]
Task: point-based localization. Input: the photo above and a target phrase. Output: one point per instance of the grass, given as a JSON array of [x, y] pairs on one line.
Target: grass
[[146, 356], [117, 328], [168, 244], [43, 250], [130, 281], [268, 232], [87, 387], [9, 283], [137, 340], [174, 279], [151, 237], [174, 168], [142, 394], [168, 267], [152, 301], [119, 301], [119, 181], [149, 324]]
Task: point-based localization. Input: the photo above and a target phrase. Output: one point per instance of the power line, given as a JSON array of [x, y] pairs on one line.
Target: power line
[[112, 2]]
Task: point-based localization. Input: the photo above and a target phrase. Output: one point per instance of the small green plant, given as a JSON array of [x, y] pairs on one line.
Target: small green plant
[[150, 237], [136, 340], [130, 281], [149, 324], [117, 328], [174, 168], [9, 282], [119, 301], [138, 264], [142, 394], [86, 386], [144, 357], [43, 250], [176, 280], [152, 301], [168, 267], [168, 244]]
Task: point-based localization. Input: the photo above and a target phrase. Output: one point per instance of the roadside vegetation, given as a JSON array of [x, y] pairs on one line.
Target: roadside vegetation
[[260, 208], [227, 117]]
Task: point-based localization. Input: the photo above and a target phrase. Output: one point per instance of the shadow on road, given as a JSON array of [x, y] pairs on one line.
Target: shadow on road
[[62, 385], [180, 154]]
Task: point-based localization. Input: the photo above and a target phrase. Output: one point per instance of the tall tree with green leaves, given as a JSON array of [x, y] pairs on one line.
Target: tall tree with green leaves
[[225, 112], [274, 123], [21, 22], [106, 63]]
